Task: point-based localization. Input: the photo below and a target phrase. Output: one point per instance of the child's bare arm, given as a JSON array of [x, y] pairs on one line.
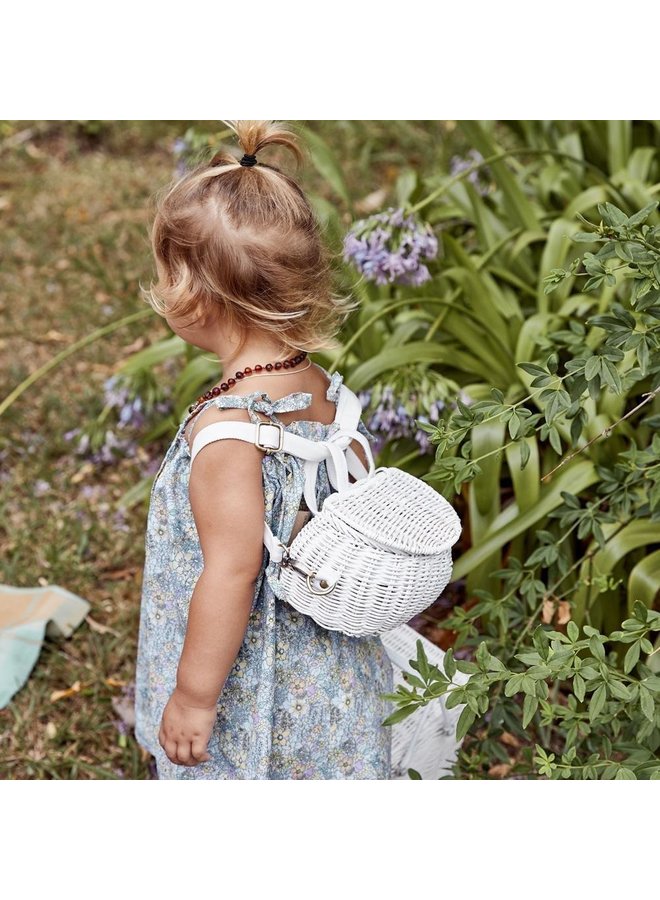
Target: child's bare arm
[[227, 501]]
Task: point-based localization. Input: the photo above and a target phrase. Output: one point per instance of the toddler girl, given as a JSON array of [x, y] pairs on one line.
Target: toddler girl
[[231, 681]]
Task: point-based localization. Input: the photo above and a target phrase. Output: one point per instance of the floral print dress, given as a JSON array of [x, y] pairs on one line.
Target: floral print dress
[[301, 702]]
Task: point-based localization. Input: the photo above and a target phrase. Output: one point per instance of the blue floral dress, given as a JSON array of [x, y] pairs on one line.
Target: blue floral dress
[[301, 702]]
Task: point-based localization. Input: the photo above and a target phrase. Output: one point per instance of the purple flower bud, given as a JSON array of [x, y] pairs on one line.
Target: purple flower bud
[[392, 420], [388, 249], [478, 177]]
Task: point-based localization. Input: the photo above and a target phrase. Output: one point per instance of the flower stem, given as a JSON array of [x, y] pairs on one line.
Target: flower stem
[[69, 351]]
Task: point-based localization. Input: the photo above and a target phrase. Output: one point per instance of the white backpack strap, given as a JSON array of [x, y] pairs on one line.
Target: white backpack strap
[[271, 437], [265, 435], [349, 409], [349, 412]]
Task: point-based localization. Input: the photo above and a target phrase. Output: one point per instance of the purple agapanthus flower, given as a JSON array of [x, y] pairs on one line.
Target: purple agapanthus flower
[[391, 419], [104, 444], [124, 706], [388, 248], [130, 413], [459, 164], [397, 415], [110, 450]]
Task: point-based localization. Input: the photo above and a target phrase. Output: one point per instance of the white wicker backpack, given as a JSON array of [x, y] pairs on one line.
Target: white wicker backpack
[[426, 740], [379, 550]]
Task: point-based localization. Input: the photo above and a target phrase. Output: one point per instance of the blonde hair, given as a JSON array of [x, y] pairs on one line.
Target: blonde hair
[[243, 242]]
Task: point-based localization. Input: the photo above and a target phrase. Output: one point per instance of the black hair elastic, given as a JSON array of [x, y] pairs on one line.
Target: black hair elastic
[[248, 160]]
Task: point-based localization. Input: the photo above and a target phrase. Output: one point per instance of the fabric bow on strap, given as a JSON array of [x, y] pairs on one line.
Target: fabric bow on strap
[[340, 459], [261, 402]]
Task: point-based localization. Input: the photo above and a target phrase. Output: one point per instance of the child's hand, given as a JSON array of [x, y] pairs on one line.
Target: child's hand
[[185, 730]]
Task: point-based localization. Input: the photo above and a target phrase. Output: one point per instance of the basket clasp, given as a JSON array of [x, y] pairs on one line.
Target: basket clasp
[[323, 587]]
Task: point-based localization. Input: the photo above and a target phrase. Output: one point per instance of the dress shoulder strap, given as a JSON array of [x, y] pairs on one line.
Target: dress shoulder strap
[[257, 401]]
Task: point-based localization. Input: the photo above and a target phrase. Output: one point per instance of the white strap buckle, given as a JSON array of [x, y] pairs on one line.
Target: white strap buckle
[[267, 447]]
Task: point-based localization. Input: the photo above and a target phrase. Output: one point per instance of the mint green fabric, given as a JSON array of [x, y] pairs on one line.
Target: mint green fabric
[[19, 650], [27, 616]]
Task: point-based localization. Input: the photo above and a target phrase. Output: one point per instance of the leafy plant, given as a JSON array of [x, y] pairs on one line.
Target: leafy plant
[[575, 425], [608, 716], [621, 517]]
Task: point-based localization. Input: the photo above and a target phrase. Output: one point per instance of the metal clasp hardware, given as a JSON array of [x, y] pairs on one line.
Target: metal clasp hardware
[[325, 587], [277, 425]]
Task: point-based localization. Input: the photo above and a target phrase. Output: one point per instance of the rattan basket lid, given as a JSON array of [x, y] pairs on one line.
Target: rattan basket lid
[[403, 512]]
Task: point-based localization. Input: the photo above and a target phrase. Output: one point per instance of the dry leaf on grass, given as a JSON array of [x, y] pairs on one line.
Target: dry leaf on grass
[[99, 628], [552, 606], [509, 739], [135, 346], [372, 201], [85, 470], [68, 692], [119, 574], [53, 335]]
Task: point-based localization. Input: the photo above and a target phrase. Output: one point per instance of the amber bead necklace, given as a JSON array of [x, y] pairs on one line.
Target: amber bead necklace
[[268, 368]]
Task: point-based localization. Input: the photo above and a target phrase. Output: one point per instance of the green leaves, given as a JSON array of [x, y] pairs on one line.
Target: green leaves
[[632, 657], [597, 702], [624, 238], [530, 705], [422, 661], [584, 237], [619, 691], [612, 215], [509, 524], [647, 703], [398, 715], [642, 215], [327, 164], [449, 663], [545, 761], [464, 723], [554, 279], [584, 663]]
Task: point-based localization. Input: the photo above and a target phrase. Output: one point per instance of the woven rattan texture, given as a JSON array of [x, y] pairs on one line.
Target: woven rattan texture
[[426, 740], [355, 544]]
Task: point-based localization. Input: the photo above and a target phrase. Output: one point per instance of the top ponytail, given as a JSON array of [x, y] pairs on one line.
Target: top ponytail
[[254, 135]]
